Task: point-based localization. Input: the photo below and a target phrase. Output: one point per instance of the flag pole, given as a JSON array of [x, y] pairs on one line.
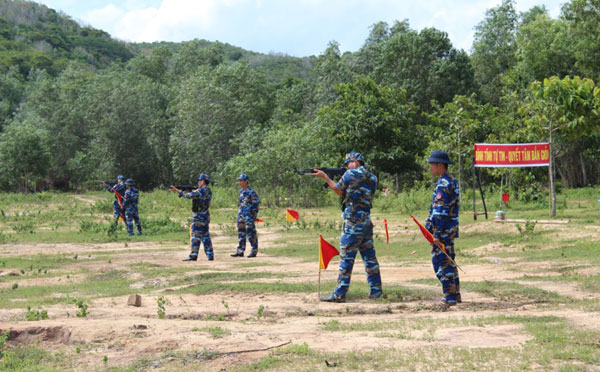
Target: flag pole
[[319, 286]]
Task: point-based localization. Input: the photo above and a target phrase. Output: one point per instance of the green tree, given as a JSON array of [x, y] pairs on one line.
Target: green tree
[[583, 21], [543, 50], [567, 110], [24, 155], [377, 121], [494, 50], [214, 106]]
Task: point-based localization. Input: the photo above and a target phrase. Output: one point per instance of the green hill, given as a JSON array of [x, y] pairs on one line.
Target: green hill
[[35, 36]]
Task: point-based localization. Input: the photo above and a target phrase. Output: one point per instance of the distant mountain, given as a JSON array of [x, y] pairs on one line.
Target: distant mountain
[[35, 36]]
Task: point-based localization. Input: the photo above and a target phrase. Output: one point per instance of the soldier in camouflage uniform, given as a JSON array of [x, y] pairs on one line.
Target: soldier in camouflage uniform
[[117, 188], [199, 229], [130, 207], [246, 219], [359, 186], [442, 222]]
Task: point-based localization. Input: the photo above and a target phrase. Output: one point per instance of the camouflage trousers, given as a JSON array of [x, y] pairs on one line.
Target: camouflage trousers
[[117, 212], [354, 239], [446, 271], [131, 216], [247, 229], [199, 234]]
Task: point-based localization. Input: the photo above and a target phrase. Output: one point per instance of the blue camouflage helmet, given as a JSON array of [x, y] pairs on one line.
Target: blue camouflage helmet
[[243, 177], [120, 177], [353, 156], [204, 177], [439, 156], [130, 182]]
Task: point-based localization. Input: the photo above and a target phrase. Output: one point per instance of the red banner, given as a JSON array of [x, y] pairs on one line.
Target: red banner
[[511, 155]]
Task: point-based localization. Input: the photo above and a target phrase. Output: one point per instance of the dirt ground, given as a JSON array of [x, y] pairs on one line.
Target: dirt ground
[[126, 333]]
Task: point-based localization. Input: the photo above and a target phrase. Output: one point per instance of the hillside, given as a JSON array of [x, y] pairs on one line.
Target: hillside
[[35, 36]]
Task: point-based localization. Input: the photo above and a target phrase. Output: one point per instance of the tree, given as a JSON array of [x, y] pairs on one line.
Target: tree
[[583, 21], [24, 155], [543, 50], [377, 121], [424, 64], [568, 110], [212, 108], [494, 50]]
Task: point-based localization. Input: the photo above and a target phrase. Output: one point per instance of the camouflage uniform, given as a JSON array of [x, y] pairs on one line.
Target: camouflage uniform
[[201, 220], [246, 220], [117, 188], [130, 206], [359, 185], [442, 222]]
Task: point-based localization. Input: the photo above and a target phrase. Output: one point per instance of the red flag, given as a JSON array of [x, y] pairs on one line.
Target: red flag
[[120, 201], [258, 220], [427, 234], [387, 235], [326, 253], [291, 215]]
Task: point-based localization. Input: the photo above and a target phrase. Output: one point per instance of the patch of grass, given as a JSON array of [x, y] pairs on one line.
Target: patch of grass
[[30, 358], [514, 292], [215, 332]]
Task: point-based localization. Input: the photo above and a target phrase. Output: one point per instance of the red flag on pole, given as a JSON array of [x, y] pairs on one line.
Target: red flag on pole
[[387, 235], [427, 234], [120, 201], [429, 238], [291, 215], [326, 253]]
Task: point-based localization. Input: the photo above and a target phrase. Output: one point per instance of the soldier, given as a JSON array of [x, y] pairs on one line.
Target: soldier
[[130, 207], [201, 220], [359, 186], [246, 219], [442, 222], [119, 190]]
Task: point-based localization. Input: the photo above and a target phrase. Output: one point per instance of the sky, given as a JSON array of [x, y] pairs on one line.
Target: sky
[[297, 28]]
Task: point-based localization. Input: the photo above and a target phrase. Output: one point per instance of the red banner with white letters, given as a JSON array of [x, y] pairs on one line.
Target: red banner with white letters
[[511, 155]]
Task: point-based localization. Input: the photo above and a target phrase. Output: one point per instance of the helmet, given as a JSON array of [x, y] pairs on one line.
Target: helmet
[[243, 177], [130, 182], [353, 156], [439, 157], [120, 177], [204, 177]]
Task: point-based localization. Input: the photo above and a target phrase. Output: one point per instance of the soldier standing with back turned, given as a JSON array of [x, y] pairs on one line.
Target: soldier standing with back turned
[[130, 207]]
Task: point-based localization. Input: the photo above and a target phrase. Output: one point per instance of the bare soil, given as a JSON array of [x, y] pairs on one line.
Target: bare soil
[[125, 333]]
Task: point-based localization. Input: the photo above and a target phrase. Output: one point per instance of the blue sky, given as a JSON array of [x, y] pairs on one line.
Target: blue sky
[[294, 27]]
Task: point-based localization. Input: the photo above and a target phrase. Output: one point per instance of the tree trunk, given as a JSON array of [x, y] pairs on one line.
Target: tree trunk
[[551, 175], [583, 172]]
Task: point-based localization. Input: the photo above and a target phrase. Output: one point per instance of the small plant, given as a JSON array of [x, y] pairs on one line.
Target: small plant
[[3, 339], [259, 313], [35, 315], [75, 257], [105, 359], [225, 304], [161, 301], [15, 286], [81, 308], [528, 228], [78, 350]]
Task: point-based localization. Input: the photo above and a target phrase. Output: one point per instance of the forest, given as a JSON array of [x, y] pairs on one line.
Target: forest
[[78, 107]]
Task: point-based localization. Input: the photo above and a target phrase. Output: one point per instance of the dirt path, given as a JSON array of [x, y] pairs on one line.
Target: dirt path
[[125, 333]]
